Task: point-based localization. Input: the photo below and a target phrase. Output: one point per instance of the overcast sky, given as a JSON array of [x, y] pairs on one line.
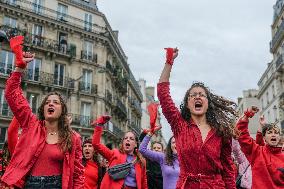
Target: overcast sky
[[223, 43]]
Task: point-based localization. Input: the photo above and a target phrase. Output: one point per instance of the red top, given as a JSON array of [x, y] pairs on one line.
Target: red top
[[211, 158], [33, 140], [264, 160], [13, 130], [91, 175], [115, 157], [51, 156], [259, 139]]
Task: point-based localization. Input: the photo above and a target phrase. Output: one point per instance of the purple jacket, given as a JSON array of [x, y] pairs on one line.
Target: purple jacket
[[170, 172], [246, 180]]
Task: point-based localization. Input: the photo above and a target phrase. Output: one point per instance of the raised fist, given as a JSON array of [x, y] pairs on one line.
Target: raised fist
[[171, 54], [101, 120]]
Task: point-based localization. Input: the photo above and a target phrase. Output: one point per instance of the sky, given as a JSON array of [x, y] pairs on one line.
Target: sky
[[223, 43]]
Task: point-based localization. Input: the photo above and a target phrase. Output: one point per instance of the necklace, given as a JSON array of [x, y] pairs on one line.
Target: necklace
[[52, 133]]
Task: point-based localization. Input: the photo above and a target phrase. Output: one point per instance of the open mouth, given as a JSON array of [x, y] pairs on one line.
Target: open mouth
[[87, 152], [198, 105], [50, 110], [127, 144], [273, 140]]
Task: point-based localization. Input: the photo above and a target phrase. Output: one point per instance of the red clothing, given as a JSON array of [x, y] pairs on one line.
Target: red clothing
[[13, 130], [33, 140], [52, 156], [264, 160], [211, 159], [115, 157], [91, 175]]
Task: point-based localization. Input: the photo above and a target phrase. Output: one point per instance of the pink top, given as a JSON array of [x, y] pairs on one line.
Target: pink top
[[49, 162]]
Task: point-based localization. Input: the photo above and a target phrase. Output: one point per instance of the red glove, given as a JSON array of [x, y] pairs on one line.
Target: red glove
[[16, 46], [152, 130], [101, 120], [170, 56], [153, 110], [250, 112]]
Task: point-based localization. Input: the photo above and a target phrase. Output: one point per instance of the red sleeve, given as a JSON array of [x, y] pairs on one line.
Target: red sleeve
[[169, 109], [228, 173], [100, 148], [144, 178], [78, 176], [248, 145], [13, 135], [16, 100], [259, 139]]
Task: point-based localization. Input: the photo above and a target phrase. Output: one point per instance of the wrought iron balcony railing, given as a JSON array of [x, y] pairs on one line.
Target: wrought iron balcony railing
[[121, 107], [88, 88], [81, 120], [114, 130], [85, 55], [135, 105], [108, 96], [277, 37]]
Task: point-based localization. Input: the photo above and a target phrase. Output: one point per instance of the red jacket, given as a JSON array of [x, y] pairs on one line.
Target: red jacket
[[264, 160], [115, 157], [211, 159], [32, 141]]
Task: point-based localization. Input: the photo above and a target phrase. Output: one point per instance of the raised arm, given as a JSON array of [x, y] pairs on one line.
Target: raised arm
[[13, 135], [13, 94], [100, 148], [259, 138], [248, 145], [154, 156]]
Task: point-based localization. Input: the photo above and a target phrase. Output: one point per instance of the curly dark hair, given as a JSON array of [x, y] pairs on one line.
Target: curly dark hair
[[169, 153], [138, 155], [220, 115], [5, 157], [64, 129]]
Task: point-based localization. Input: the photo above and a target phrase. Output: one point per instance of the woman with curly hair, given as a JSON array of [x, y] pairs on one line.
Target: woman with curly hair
[[48, 153], [136, 177], [203, 131], [93, 169], [168, 160]]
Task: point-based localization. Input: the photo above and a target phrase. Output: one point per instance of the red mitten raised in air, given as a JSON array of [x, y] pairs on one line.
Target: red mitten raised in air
[[16, 46], [153, 113], [101, 120]]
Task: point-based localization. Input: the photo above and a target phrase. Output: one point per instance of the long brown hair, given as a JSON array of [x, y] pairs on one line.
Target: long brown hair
[[220, 115], [64, 129], [138, 155], [169, 153]]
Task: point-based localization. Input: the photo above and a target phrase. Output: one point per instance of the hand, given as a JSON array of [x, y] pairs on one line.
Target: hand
[[17, 48], [249, 113], [101, 120], [28, 57], [153, 130], [172, 53]]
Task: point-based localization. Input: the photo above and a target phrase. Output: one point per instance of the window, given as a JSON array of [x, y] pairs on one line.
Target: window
[[88, 50], [37, 6], [33, 100], [34, 69], [37, 35], [7, 62], [88, 22], [12, 2], [273, 91], [4, 108], [59, 74], [267, 97], [87, 80], [62, 38], [62, 12], [85, 114], [10, 22]]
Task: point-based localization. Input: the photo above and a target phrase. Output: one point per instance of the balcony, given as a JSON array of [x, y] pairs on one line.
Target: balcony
[[88, 88], [24, 5], [45, 44], [279, 63], [135, 128], [91, 57], [135, 105], [121, 84], [277, 38], [114, 130], [81, 120], [108, 97], [109, 67], [120, 109]]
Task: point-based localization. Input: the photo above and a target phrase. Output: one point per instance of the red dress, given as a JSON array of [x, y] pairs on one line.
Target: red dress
[[264, 160], [205, 164]]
